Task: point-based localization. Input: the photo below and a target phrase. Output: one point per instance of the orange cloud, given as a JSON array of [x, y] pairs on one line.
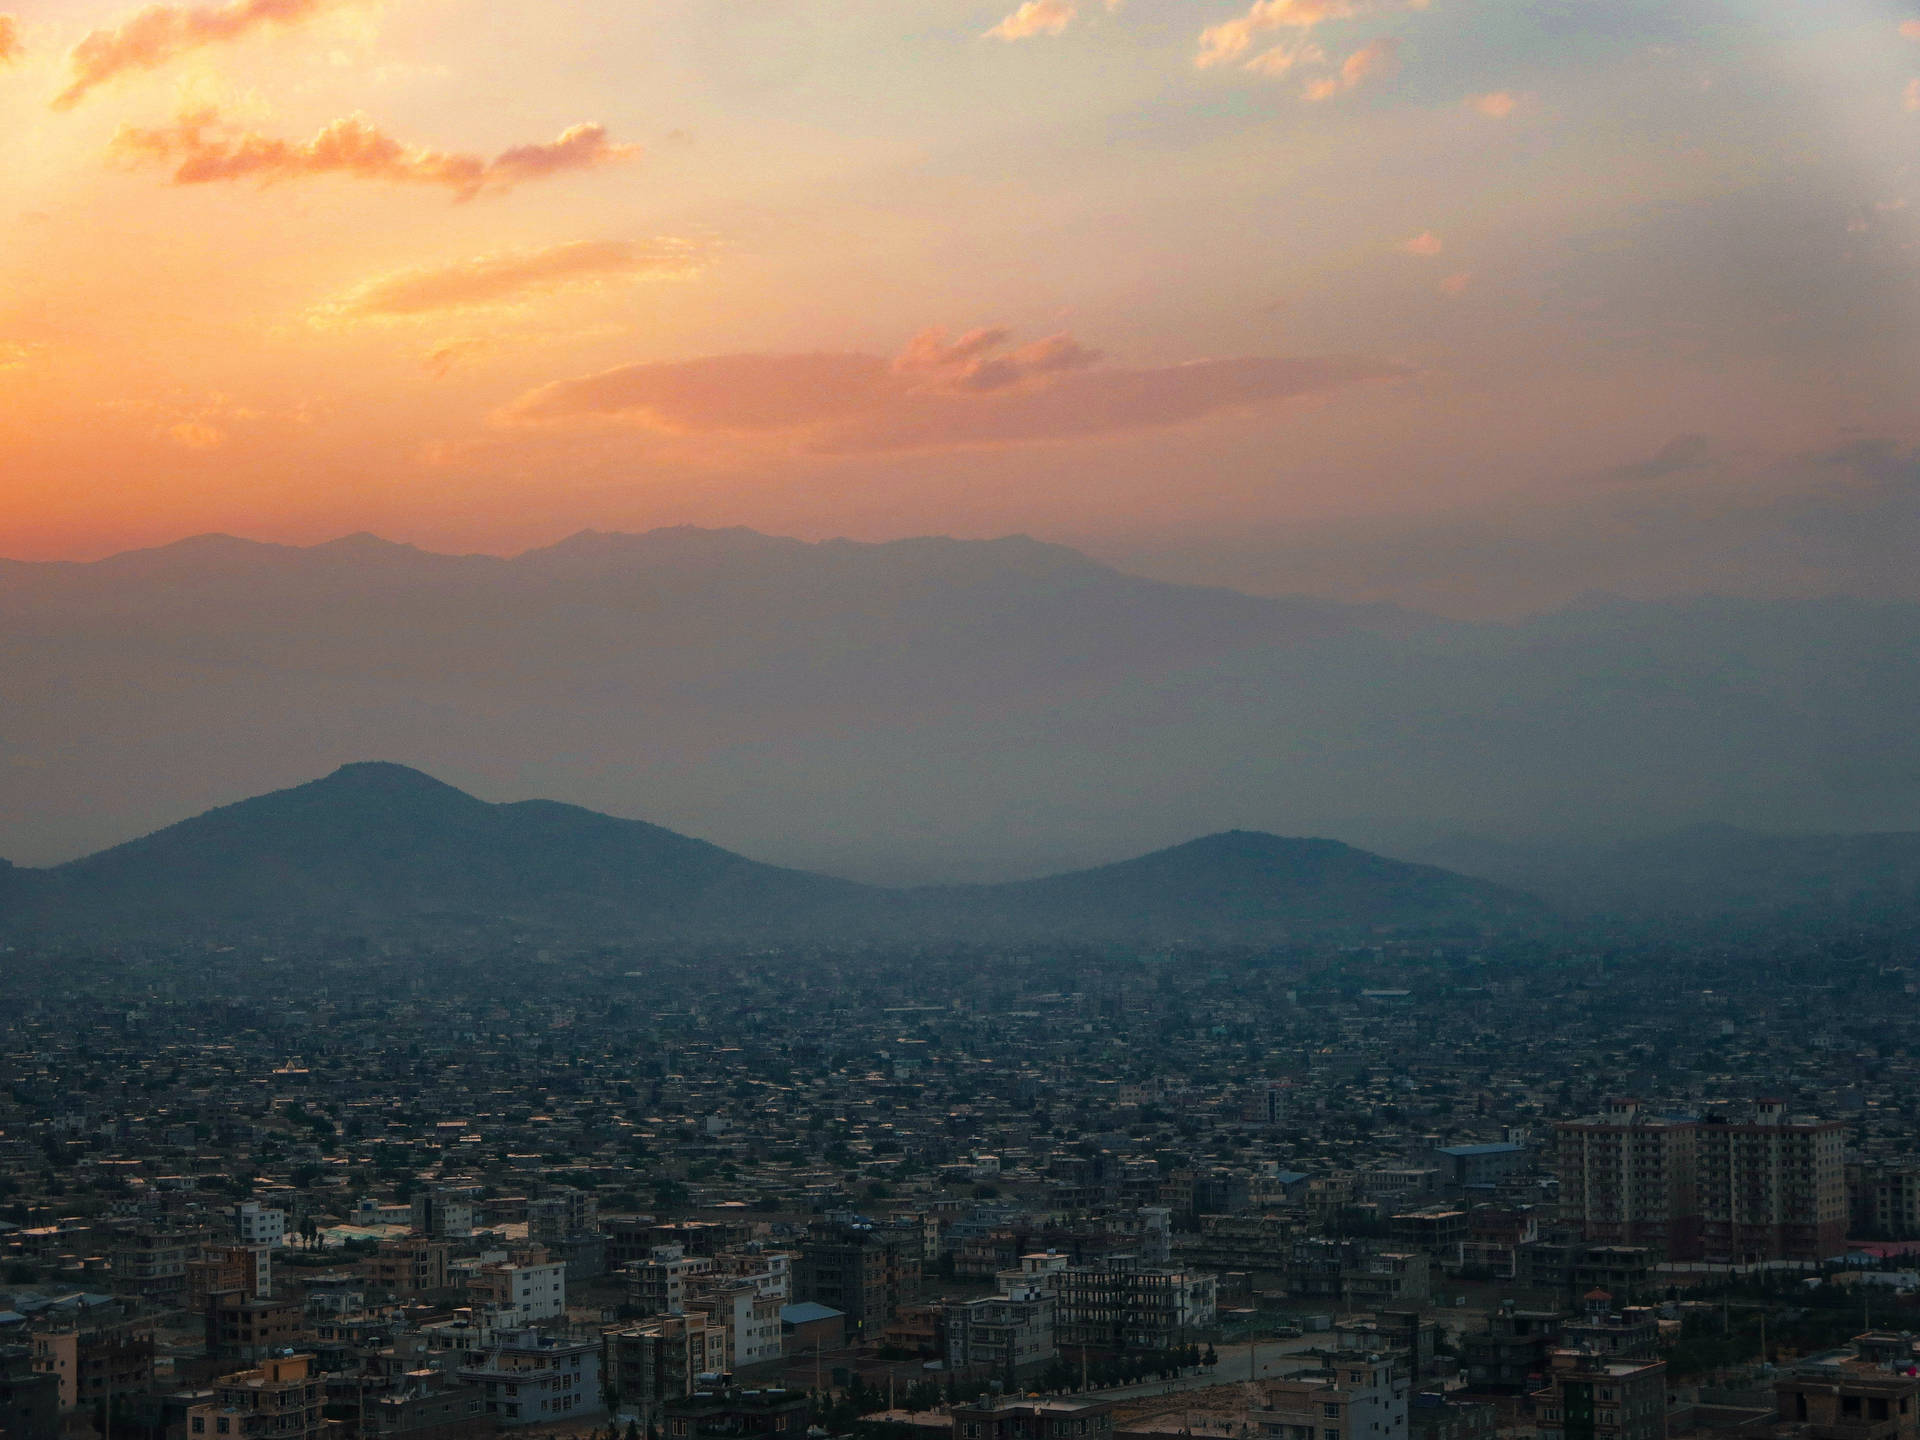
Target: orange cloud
[[1376, 57], [503, 279], [1227, 42], [159, 33], [1910, 29], [1278, 60], [1456, 284], [1495, 104], [1425, 243], [203, 151], [1910, 97], [10, 47], [1035, 17], [936, 394]]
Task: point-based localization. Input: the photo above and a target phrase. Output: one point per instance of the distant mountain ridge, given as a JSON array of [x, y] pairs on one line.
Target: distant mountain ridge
[[380, 848], [932, 709]]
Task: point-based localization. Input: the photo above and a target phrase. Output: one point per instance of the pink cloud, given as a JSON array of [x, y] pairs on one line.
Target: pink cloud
[[936, 394], [1910, 97], [159, 33], [10, 46], [1456, 284], [203, 151], [1910, 29], [1376, 57], [1425, 243], [505, 278], [1495, 104]]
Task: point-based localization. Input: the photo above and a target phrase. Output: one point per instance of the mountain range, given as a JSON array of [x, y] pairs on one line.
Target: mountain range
[[933, 710], [380, 849]]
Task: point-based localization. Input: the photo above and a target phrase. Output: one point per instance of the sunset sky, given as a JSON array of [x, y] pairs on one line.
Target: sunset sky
[[1475, 304]]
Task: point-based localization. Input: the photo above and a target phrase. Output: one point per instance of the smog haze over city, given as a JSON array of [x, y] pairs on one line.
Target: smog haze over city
[[960, 720]]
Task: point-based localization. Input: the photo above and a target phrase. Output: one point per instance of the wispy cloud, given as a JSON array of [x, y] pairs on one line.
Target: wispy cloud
[[151, 37], [510, 277], [1679, 455], [937, 393], [203, 151], [1910, 29], [1425, 243], [1910, 98], [1230, 41], [1376, 57], [1494, 104], [10, 47]]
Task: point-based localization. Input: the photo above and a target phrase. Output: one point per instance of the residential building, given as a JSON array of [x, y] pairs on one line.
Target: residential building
[[1590, 1397], [662, 1359], [257, 1224], [516, 1292], [1772, 1187], [281, 1400], [527, 1378], [864, 1271], [733, 1414], [1627, 1177], [1122, 1305], [1034, 1420], [1360, 1395], [1847, 1399]]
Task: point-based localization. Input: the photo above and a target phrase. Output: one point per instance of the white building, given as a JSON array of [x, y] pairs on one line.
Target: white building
[[519, 1290], [257, 1224]]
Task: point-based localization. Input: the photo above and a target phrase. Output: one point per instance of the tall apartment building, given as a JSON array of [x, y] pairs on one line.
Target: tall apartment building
[[1886, 1199], [1763, 1185], [1627, 1178], [1772, 1187], [1590, 1397], [282, 1400], [442, 1213]]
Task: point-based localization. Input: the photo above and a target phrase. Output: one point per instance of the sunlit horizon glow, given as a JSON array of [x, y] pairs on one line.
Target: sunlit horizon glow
[[1455, 303]]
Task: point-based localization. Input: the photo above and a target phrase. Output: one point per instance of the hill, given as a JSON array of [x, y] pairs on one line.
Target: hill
[[383, 850]]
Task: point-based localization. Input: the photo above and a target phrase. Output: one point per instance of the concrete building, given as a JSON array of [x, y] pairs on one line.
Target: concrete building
[[257, 1224], [408, 1269], [1121, 1305], [281, 1400], [1846, 1399], [734, 1414], [1003, 1333], [1360, 1395], [1589, 1397], [662, 1359], [864, 1271], [29, 1398], [1772, 1187], [527, 1378], [516, 1292], [1627, 1177], [1034, 1420]]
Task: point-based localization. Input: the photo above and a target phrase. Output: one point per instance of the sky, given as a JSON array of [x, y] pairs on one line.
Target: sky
[[1475, 305]]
